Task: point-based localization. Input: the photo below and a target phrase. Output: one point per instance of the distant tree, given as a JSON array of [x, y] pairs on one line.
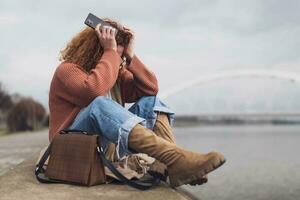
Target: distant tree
[[5, 99], [16, 97], [27, 114]]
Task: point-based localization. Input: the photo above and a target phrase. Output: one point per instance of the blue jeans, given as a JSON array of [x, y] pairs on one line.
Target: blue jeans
[[113, 122]]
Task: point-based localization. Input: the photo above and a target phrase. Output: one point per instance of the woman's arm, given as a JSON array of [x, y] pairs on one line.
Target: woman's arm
[[81, 88], [137, 81]]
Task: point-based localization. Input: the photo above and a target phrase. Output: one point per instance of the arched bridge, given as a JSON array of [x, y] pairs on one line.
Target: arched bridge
[[271, 73]]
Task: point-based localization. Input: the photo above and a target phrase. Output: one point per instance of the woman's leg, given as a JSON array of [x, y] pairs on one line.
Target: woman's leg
[[108, 118], [149, 107], [183, 166], [159, 118], [158, 113]]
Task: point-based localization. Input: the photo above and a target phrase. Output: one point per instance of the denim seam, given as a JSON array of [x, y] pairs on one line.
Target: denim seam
[[124, 132], [163, 109], [119, 135], [131, 119]]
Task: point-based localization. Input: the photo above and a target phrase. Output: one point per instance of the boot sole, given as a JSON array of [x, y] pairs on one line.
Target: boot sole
[[194, 176], [199, 181]]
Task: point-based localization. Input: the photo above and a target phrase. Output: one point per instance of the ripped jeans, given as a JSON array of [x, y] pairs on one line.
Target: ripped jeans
[[113, 122]]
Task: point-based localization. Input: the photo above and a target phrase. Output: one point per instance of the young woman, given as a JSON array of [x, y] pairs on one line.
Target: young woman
[[90, 88]]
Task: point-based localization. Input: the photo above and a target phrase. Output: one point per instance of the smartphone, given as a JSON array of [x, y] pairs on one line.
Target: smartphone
[[92, 21]]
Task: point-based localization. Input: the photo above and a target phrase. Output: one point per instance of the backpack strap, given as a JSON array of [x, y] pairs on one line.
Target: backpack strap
[[141, 185]]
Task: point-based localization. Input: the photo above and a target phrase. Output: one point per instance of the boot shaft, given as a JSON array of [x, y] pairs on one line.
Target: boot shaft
[[162, 127]]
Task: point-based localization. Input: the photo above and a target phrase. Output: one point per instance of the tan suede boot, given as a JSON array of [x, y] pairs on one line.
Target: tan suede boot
[[184, 167], [163, 129]]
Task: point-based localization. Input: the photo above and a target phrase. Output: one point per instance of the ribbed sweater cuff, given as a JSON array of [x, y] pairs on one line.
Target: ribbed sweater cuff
[[135, 65]]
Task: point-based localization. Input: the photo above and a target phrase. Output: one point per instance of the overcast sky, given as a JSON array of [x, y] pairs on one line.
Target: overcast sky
[[178, 40]]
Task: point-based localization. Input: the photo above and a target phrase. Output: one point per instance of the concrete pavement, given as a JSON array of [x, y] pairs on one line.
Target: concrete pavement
[[18, 180]]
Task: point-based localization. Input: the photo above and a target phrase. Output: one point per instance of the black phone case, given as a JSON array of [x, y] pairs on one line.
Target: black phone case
[[92, 21]]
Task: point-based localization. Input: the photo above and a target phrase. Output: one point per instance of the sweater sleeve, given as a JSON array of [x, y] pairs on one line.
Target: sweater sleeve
[[137, 81], [80, 88]]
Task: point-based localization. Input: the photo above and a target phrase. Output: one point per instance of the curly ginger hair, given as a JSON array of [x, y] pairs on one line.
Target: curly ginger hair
[[84, 48]]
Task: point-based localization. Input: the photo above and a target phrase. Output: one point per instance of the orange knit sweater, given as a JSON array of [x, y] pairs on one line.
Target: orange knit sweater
[[72, 88]]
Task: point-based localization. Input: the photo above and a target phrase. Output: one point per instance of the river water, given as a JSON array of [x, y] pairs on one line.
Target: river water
[[263, 161]]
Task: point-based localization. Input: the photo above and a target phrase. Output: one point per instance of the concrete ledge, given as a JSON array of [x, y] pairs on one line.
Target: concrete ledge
[[20, 183]]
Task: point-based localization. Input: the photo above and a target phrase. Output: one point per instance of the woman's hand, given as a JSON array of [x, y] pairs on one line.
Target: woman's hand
[[106, 37], [128, 51]]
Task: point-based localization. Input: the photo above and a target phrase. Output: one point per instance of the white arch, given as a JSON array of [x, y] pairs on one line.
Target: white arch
[[279, 74]]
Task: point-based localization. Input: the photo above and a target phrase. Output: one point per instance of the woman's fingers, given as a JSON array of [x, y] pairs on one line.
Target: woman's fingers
[[128, 30], [126, 27], [106, 37], [108, 31], [113, 32], [103, 31], [98, 29]]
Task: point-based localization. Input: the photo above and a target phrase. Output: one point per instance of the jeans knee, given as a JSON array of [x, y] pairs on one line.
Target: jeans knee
[[146, 99], [145, 103], [98, 103]]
